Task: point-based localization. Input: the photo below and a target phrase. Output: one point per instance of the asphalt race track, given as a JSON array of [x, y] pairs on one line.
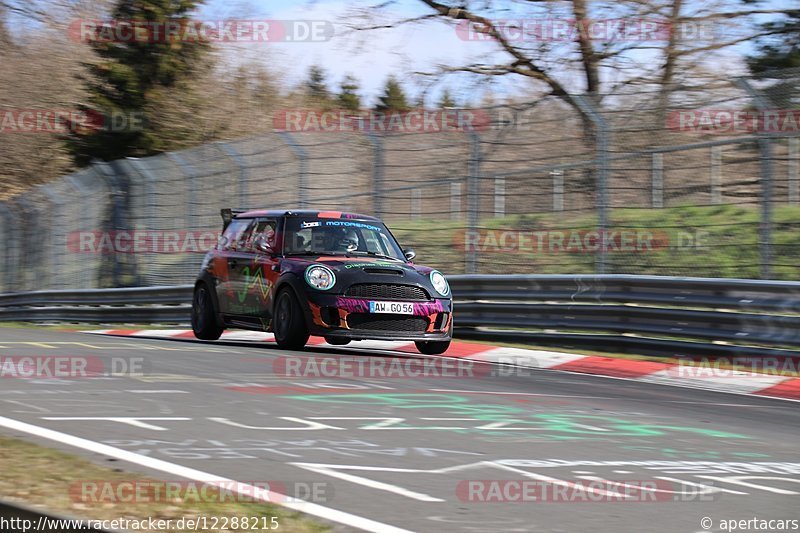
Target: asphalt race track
[[421, 454]]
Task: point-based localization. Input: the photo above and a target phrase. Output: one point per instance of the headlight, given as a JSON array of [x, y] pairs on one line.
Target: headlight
[[439, 283], [320, 277]]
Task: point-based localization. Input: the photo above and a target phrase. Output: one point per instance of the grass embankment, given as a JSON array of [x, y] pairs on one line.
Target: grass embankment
[[709, 241], [50, 479]]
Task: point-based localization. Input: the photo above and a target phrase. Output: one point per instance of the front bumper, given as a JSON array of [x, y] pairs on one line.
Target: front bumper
[[349, 318], [359, 335]]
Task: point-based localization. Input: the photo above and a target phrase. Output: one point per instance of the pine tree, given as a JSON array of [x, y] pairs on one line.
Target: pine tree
[[447, 100], [776, 52], [393, 98], [781, 50], [317, 85], [146, 80], [348, 96]]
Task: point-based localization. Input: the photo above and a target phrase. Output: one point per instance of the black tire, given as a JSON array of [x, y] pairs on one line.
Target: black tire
[[432, 347], [337, 341], [288, 322], [204, 320]]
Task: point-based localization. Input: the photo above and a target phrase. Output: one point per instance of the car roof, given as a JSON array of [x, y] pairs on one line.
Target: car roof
[[303, 213]]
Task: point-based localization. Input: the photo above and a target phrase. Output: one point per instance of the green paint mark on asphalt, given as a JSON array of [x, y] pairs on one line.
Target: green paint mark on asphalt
[[694, 454], [555, 425]]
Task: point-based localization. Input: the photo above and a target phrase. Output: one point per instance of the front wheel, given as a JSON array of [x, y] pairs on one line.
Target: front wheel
[[432, 347], [289, 324], [204, 322]]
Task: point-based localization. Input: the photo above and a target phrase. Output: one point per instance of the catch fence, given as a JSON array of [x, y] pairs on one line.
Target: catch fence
[[616, 184]]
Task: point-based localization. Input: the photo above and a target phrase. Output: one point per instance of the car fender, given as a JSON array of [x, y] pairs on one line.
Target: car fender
[[298, 287]]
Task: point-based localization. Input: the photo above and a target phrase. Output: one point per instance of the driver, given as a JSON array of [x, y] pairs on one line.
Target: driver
[[346, 241]]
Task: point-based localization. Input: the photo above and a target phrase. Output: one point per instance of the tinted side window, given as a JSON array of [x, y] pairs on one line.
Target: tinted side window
[[265, 227], [235, 236]]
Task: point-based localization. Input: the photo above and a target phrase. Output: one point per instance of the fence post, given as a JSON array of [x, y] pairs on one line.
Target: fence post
[[377, 173], [231, 152], [658, 180], [602, 148], [499, 197], [149, 188], [455, 200], [28, 263], [794, 170], [558, 189], [9, 229], [117, 193], [143, 275], [765, 160], [188, 171], [56, 240], [86, 273], [716, 175], [416, 203], [302, 171], [473, 200]]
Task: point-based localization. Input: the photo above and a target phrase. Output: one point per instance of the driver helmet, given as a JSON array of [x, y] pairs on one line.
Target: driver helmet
[[348, 241]]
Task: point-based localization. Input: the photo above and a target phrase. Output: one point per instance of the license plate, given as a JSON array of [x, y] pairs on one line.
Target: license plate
[[399, 308]]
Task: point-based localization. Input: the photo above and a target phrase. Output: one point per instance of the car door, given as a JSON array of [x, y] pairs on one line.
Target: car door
[[232, 256], [259, 275]]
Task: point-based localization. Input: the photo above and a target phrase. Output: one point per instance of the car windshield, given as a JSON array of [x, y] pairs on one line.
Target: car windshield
[[319, 236]]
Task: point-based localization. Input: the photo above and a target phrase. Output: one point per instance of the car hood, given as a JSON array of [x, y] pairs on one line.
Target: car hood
[[369, 265], [350, 270]]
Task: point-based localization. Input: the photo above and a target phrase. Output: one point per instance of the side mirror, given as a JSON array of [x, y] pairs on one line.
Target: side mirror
[[262, 245], [410, 254]]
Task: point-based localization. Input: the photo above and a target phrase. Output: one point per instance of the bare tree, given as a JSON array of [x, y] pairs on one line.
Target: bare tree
[[583, 63]]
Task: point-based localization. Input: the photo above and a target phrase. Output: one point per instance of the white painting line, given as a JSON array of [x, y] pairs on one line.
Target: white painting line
[[314, 509], [146, 391]]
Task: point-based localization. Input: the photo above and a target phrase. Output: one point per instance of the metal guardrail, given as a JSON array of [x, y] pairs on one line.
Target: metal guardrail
[[663, 314], [129, 305], [658, 315], [127, 296]]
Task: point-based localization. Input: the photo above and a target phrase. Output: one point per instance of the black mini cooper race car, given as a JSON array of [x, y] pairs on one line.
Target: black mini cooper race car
[[338, 275]]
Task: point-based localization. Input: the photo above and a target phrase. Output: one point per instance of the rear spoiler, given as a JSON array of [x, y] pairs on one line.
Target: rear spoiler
[[228, 214]]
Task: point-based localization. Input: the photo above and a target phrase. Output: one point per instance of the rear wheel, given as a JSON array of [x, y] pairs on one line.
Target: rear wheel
[[289, 324], [204, 321]]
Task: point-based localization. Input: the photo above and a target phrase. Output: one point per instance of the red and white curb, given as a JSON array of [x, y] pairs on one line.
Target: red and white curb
[[732, 381]]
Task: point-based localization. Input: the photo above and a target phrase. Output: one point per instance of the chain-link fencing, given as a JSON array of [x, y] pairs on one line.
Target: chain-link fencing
[[695, 181]]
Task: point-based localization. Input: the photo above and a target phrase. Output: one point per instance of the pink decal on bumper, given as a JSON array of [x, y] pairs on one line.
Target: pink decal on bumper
[[358, 305]]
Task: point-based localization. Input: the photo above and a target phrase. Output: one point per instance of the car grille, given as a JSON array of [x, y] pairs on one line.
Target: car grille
[[407, 324], [386, 291]]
